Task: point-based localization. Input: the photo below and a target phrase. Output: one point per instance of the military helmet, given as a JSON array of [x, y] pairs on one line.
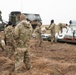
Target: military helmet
[[22, 17]]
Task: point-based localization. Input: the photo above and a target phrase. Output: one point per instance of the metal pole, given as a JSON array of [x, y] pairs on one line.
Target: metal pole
[[21, 5]]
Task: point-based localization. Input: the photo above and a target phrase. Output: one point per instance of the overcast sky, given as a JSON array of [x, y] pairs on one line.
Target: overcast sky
[[59, 10]]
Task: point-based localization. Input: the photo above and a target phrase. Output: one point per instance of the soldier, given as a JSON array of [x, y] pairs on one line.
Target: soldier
[[9, 39], [61, 26], [23, 34], [52, 31], [38, 35]]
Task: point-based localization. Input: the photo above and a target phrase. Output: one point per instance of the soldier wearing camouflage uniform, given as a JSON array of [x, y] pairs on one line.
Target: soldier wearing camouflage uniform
[[61, 26], [9, 39], [52, 29], [23, 34], [38, 37]]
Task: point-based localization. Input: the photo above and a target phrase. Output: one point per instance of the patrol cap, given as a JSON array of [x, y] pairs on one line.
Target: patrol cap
[[22, 17]]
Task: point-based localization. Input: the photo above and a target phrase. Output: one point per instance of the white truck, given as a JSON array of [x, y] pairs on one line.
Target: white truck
[[69, 34]]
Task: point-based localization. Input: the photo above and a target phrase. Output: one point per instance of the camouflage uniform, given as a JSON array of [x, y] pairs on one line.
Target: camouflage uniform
[[52, 28], [9, 40], [37, 31], [61, 26], [52, 31], [22, 35]]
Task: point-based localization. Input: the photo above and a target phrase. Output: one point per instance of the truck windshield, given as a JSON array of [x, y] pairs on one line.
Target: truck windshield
[[33, 17]]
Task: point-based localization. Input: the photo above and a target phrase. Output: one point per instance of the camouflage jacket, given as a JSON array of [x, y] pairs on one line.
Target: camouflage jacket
[[61, 25], [37, 31], [23, 32], [52, 28], [9, 33]]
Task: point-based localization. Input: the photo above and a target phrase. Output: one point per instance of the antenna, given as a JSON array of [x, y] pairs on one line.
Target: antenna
[[21, 5]]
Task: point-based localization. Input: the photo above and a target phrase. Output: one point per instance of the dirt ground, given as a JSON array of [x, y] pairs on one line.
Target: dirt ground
[[49, 59]]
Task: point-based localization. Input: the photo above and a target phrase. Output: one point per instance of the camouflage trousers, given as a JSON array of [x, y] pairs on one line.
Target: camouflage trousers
[[9, 51], [10, 48], [21, 57], [38, 41], [53, 39]]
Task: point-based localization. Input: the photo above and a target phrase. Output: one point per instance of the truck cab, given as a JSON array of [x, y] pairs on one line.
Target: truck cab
[[14, 17], [33, 19]]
